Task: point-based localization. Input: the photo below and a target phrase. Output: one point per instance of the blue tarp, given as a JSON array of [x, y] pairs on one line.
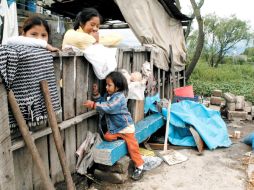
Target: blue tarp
[[249, 140], [150, 103], [207, 122]]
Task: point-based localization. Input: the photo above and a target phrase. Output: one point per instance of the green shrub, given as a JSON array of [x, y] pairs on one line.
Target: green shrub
[[237, 79]]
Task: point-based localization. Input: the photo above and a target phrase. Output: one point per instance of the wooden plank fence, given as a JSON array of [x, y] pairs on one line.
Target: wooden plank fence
[[74, 77]]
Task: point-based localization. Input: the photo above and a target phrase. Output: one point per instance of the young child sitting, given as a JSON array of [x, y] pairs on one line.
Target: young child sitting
[[118, 118]]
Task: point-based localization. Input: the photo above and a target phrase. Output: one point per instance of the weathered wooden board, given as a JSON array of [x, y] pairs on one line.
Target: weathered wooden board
[[108, 153], [136, 108], [58, 74], [55, 166], [42, 146], [82, 79], [69, 94], [6, 160], [68, 88], [23, 166], [70, 147], [82, 70]]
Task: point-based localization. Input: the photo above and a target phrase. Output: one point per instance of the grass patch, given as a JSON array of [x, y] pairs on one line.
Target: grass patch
[[237, 79]]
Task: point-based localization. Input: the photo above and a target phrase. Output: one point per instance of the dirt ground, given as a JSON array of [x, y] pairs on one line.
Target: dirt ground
[[222, 168]]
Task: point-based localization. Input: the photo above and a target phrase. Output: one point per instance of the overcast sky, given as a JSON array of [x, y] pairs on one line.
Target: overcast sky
[[243, 9]]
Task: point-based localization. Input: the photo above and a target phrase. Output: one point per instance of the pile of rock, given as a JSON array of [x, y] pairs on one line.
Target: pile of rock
[[235, 106], [116, 174], [238, 108]]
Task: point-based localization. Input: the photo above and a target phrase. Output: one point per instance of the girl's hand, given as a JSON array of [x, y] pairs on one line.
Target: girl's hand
[[89, 104], [51, 48]]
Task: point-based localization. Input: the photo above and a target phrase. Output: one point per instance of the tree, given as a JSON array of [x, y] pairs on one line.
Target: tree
[[222, 34], [200, 40]]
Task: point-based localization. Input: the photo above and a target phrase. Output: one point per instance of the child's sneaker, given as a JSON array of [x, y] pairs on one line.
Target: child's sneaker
[[137, 174]]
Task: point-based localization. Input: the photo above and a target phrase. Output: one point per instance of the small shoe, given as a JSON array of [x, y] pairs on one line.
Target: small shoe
[[137, 174]]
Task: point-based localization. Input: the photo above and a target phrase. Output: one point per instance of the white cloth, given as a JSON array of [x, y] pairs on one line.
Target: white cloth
[[129, 129], [10, 20], [27, 41], [102, 59], [136, 91]]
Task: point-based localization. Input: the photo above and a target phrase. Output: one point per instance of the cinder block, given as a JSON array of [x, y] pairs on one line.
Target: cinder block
[[217, 108], [230, 97], [110, 177], [231, 106], [247, 106], [237, 115], [217, 93], [121, 166], [249, 117], [216, 100], [239, 104]]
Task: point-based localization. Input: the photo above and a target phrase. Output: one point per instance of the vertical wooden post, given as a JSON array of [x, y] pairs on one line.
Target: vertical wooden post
[[69, 91], [29, 140], [7, 181], [56, 135], [82, 78]]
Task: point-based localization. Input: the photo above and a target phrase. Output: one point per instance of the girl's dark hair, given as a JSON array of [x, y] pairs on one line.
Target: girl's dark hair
[[119, 81], [30, 22], [84, 16]]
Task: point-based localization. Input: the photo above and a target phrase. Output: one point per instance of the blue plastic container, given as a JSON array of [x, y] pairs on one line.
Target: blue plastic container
[[31, 6]]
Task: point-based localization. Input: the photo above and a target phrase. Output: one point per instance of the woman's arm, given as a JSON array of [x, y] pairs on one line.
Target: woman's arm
[[27, 41], [77, 39], [22, 40]]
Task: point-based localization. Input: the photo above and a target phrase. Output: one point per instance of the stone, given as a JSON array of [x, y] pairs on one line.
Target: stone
[[249, 117], [215, 100], [217, 93], [110, 177], [237, 115], [247, 106], [229, 97], [239, 104], [214, 107], [121, 166], [230, 106]]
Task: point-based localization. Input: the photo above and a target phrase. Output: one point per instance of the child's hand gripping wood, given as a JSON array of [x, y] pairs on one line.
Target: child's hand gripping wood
[[89, 104]]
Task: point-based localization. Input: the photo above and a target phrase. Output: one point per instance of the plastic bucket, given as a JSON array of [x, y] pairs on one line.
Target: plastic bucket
[[186, 91]]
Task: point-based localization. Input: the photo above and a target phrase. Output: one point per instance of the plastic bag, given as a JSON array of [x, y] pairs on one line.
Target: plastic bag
[[136, 91], [102, 59], [151, 162]]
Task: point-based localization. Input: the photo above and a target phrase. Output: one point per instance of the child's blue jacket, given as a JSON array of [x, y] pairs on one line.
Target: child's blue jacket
[[116, 112]]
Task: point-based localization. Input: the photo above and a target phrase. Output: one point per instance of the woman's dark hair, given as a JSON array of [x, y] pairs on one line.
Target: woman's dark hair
[[30, 22], [119, 81], [84, 16]]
